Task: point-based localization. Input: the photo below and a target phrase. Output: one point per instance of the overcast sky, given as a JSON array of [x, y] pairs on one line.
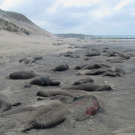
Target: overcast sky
[[96, 17]]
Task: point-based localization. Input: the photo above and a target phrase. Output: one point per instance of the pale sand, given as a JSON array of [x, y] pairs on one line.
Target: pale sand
[[118, 104]]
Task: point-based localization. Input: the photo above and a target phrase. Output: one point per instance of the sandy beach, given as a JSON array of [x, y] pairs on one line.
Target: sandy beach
[[116, 105]]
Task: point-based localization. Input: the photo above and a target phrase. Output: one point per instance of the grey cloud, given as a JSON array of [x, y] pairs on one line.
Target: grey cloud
[[79, 19], [32, 8]]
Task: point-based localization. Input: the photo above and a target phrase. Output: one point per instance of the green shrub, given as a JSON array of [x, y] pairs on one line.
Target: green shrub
[[26, 32], [6, 23], [15, 30], [9, 28], [1, 20], [3, 28]]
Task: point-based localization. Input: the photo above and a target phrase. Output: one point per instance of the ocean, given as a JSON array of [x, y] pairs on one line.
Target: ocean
[[114, 36]]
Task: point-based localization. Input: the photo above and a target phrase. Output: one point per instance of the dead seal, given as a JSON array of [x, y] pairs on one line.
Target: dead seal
[[61, 67], [90, 87], [120, 70], [85, 80], [38, 58], [107, 72], [27, 61], [110, 74], [46, 116], [74, 56], [22, 75], [5, 104], [105, 66], [92, 66], [114, 61], [49, 93], [96, 72], [124, 56], [83, 107], [86, 58], [42, 81], [69, 54], [93, 53], [43, 114], [63, 99], [80, 66]]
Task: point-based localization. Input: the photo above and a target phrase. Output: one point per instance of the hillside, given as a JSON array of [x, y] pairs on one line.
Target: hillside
[[72, 35], [16, 22]]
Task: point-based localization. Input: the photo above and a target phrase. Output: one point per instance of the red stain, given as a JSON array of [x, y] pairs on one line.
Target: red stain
[[79, 103], [93, 109]]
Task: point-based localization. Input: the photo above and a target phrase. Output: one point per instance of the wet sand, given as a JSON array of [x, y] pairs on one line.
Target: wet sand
[[117, 105]]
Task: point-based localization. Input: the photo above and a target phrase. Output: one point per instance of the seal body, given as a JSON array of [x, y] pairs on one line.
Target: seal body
[[44, 81], [46, 116], [85, 80], [5, 105], [62, 67], [84, 106], [90, 87], [22, 75]]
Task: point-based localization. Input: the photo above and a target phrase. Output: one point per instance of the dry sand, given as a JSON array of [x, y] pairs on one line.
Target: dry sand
[[117, 104]]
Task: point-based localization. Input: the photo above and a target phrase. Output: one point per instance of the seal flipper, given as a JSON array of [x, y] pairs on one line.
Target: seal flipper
[[27, 85], [43, 82], [27, 128], [16, 104]]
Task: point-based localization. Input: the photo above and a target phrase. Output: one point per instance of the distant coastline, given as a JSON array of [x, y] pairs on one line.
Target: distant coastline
[[114, 36], [83, 36]]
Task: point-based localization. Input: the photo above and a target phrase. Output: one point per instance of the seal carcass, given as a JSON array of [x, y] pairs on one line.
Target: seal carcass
[[22, 75], [84, 106], [43, 81]]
